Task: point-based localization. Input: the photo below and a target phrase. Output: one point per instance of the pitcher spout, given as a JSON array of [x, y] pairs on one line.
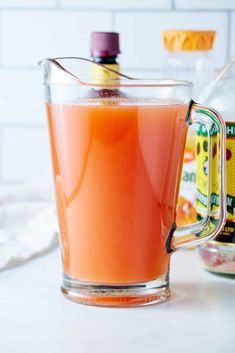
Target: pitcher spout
[[76, 70]]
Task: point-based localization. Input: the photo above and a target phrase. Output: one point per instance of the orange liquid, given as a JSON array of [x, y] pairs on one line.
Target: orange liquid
[[117, 171]]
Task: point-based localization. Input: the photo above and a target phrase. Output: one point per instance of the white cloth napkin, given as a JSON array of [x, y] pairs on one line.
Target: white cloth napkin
[[28, 223]]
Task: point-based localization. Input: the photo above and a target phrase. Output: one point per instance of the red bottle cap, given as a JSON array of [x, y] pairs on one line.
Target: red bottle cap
[[104, 44]]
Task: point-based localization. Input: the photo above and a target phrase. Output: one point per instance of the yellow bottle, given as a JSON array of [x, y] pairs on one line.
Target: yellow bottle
[[104, 48]]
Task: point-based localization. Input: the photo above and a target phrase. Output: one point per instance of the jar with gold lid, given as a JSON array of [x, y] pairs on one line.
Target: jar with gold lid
[[189, 57]]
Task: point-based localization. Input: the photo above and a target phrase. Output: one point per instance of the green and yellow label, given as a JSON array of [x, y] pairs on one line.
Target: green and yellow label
[[228, 232], [101, 75]]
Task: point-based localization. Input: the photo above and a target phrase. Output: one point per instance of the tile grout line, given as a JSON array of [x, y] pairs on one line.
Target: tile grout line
[[150, 9], [113, 20], [1, 154], [9, 182], [22, 125], [1, 37], [156, 10], [20, 68], [229, 28]]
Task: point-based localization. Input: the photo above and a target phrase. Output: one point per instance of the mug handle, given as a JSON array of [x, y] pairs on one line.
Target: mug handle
[[210, 226]]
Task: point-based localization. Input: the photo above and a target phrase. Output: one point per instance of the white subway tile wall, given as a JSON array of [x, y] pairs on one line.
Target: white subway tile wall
[[232, 37], [25, 153], [33, 29], [142, 45], [21, 97], [117, 4], [28, 36], [28, 3], [205, 4]]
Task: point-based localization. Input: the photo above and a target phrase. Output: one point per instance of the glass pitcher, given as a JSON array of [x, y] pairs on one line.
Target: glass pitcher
[[117, 152]]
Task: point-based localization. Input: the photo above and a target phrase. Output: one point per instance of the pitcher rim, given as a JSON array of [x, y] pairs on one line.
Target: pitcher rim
[[138, 82], [122, 81]]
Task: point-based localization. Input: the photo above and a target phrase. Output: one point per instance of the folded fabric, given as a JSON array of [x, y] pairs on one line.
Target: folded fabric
[[28, 223]]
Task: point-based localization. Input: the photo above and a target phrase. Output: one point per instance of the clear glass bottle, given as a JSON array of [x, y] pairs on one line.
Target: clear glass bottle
[[219, 255], [188, 57]]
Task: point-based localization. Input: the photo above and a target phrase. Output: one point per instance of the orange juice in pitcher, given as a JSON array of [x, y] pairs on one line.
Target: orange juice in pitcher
[[117, 151], [187, 212]]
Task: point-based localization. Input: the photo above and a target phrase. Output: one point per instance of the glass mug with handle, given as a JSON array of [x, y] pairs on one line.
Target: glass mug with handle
[[117, 152]]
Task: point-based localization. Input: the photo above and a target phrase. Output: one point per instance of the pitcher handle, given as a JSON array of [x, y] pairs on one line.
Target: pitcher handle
[[210, 226]]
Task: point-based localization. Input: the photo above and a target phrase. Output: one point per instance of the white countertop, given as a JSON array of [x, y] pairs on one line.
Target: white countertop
[[36, 318]]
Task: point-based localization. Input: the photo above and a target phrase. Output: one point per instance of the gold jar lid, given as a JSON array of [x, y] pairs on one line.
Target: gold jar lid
[[182, 40]]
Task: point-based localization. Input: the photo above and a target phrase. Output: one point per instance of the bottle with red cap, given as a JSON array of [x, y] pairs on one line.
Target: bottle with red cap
[[104, 48]]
